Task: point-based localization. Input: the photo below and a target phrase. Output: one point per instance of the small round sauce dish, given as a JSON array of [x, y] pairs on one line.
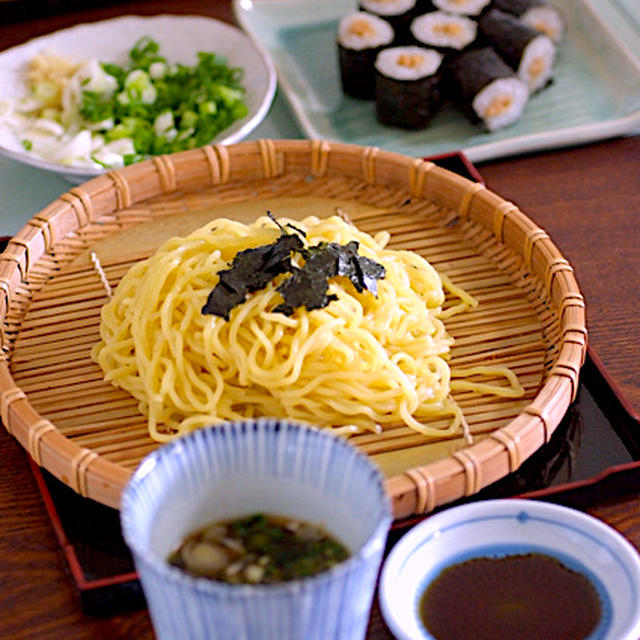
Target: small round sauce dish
[[238, 473], [512, 568]]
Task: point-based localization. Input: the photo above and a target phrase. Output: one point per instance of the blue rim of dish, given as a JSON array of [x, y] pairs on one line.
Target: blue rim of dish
[[520, 510], [510, 549], [374, 543], [523, 517]]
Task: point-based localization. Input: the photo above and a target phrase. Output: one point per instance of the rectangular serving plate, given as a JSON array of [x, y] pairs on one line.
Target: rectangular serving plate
[[595, 93]]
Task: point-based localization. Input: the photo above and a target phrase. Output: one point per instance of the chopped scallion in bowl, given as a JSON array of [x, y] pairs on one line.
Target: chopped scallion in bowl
[[98, 96]]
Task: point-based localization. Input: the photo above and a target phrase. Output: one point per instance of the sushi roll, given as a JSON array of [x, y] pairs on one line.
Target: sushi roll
[[398, 13], [487, 89], [445, 32], [462, 7], [530, 53], [408, 92], [538, 14], [360, 38]]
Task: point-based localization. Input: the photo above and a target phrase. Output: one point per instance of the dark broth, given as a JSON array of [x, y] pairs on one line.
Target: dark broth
[[258, 549], [520, 597]]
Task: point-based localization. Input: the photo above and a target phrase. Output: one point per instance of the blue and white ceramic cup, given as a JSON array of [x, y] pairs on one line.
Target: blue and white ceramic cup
[[239, 468]]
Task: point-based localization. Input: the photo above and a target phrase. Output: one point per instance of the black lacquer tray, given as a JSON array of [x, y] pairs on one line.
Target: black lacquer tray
[[593, 455]]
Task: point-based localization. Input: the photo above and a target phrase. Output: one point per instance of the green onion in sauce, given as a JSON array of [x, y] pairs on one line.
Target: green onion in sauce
[[258, 549]]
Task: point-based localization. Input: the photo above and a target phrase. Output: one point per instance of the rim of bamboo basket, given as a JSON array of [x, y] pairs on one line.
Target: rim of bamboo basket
[[415, 491]]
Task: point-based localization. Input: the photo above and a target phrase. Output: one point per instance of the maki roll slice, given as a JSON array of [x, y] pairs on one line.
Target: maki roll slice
[[487, 89], [445, 32], [530, 53], [360, 38], [398, 13], [538, 14], [462, 7], [408, 92]]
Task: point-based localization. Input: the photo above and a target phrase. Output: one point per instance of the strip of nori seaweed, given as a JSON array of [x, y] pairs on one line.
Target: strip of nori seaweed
[[399, 22], [517, 7], [508, 35], [408, 104], [250, 270], [357, 73], [308, 285], [422, 6], [520, 9], [472, 71]]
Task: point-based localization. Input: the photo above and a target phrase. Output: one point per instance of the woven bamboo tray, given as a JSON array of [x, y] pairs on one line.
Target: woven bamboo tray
[[531, 315]]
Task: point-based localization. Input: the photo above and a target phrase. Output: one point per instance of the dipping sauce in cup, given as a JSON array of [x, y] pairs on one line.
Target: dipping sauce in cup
[[233, 472], [521, 595], [259, 549], [516, 568]]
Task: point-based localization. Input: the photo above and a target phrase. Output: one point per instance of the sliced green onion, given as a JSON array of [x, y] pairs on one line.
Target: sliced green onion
[[166, 107]]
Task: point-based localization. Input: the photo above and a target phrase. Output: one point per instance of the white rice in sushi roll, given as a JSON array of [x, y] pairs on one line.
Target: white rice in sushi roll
[[545, 19], [360, 30], [387, 7], [536, 65], [408, 63], [463, 7], [501, 103], [444, 30]]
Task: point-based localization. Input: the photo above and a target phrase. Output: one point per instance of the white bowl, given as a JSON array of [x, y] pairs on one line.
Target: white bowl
[[236, 469], [495, 528], [180, 38]]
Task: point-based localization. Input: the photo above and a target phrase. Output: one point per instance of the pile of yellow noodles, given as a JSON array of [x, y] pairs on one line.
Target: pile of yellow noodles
[[360, 363]]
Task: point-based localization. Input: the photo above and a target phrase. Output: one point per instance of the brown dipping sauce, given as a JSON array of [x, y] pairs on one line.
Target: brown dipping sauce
[[258, 549], [519, 597]]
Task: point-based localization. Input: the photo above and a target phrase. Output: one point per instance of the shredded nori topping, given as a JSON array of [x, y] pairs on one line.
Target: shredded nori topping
[[307, 286], [251, 270]]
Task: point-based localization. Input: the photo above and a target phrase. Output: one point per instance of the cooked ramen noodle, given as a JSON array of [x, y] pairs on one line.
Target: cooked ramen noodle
[[367, 360]]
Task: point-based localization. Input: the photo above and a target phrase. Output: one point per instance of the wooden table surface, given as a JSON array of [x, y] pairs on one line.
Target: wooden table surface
[[587, 198]]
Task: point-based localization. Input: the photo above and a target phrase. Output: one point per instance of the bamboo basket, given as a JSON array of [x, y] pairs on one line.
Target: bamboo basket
[[531, 315]]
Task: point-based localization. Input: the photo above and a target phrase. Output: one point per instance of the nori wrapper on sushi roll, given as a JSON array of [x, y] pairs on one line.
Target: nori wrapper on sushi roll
[[527, 51], [398, 13], [360, 38], [538, 14], [447, 33], [487, 89], [408, 92]]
